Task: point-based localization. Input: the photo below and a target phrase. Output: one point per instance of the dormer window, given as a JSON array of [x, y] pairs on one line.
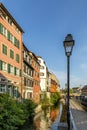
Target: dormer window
[[17, 30], [2, 14], [9, 21]]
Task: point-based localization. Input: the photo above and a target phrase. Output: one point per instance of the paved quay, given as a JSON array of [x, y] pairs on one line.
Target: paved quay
[[79, 115]]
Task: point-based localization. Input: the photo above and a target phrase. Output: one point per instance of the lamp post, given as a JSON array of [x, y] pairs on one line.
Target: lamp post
[[68, 45]]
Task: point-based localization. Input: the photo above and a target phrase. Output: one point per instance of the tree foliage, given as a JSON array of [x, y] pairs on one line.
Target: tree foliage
[[55, 97], [30, 106], [13, 113]]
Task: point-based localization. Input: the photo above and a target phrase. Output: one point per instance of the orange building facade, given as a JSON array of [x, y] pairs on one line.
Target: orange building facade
[[53, 87], [54, 83], [10, 54]]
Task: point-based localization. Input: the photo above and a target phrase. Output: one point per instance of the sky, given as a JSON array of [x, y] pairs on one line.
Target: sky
[[46, 24]]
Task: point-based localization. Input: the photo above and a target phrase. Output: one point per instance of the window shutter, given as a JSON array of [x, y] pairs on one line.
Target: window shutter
[[6, 88], [0, 28], [18, 44], [8, 68], [0, 65], [8, 35], [17, 58], [14, 70], [15, 41], [0, 87], [11, 54]]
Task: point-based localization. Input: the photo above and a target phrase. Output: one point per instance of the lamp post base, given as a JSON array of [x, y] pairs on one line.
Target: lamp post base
[[68, 119]]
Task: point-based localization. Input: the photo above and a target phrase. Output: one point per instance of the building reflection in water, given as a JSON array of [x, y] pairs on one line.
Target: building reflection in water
[[44, 120]]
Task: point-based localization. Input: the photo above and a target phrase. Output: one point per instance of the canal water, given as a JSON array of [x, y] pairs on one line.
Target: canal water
[[43, 120]]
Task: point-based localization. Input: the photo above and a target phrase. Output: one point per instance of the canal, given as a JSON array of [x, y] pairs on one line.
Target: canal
[[43, 120]]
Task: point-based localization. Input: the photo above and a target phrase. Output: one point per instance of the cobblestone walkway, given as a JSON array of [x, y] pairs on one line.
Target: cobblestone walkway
[[79, 115]]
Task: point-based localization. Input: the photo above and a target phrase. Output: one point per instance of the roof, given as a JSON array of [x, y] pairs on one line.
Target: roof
[[84, 87], [24, 46], [7, 12]]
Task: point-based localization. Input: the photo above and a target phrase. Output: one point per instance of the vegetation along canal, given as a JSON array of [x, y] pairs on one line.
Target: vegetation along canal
[[43, 120]]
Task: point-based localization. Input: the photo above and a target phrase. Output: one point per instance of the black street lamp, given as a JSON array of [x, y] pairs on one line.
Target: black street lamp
[[68, 45]]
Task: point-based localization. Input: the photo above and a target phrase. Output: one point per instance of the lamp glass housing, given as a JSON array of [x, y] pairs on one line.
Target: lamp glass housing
[[68, 44]]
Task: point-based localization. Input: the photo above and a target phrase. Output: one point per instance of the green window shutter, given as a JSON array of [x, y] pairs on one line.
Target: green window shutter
[[17, 58], [0, 28], [18, 44], [15, 41], [6, 88], [0, 65], [8, 35], [4, 49], [11, 54], [14, 70], [0, 87], [8, 68]]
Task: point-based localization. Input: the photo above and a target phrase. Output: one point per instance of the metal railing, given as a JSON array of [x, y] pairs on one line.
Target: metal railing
[[73, 125]]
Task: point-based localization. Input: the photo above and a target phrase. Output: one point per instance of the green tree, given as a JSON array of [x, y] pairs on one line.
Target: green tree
[[55, 97], [30, 107], [44, 100], [11, 113]]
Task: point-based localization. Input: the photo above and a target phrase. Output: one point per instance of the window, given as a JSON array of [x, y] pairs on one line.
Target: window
[[4, 49], [3, 30], [2, 88], [9, 21], [4, 15], [17, 30], [41, 67], [11, 54], [17, 58], [39, 61], [24, 81], [11, 38], [41, 74], [16, 42], [29, 95], [4, 66], [30, 61], [11, 68], [16, 71]]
